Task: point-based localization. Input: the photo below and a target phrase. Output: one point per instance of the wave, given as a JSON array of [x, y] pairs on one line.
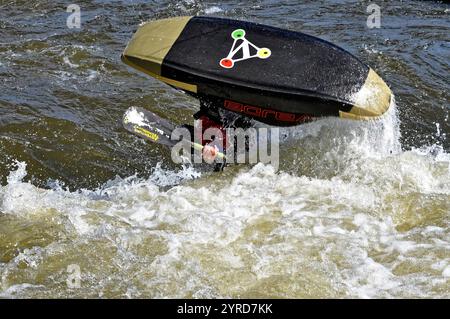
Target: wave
[[351, 216]]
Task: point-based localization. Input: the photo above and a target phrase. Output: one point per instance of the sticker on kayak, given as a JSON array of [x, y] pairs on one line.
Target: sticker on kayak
[[239, 34]]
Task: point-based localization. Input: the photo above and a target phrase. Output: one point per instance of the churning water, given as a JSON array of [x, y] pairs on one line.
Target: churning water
[[357, 209]]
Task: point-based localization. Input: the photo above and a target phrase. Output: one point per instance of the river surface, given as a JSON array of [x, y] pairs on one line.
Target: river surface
[[356, 209]]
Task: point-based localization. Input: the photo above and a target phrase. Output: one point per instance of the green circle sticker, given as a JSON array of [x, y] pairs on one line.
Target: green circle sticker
[[238, 34]]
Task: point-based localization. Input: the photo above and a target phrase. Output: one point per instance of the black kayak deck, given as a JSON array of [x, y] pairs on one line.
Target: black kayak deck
[[275, 70]]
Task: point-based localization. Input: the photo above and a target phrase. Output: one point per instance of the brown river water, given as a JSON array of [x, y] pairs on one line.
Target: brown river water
[[356, 210]]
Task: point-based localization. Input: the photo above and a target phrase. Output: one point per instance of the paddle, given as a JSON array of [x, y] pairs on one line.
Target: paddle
[[153, 128]]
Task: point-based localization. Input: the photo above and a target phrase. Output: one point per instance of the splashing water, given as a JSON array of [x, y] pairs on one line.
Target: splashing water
[[373, 223], [356, 209]]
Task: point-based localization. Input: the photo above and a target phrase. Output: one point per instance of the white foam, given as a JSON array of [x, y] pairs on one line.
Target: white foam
[[15, 291], [67, 61], [367, 223], [446, 272], [213, 9], [134, 116]]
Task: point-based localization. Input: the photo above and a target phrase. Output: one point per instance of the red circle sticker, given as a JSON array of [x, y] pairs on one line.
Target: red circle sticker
[[227, 63]]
